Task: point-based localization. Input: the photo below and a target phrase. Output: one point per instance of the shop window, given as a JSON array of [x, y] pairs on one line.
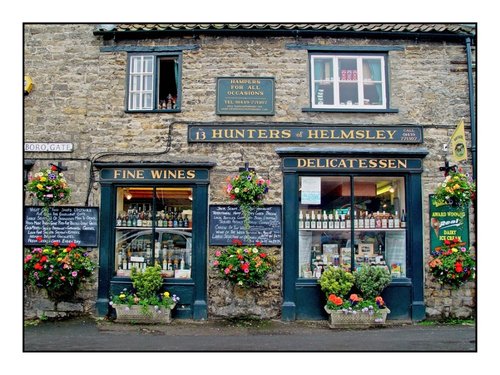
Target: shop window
[[153, 83], [348, 81], [154, 226], [341, 229]]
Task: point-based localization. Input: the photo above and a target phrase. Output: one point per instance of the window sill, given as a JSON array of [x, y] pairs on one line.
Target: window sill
[[351, 110], [153, 110]]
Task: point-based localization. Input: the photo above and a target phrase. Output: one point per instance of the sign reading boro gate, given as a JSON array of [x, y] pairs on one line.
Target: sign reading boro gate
[[245, 96], [283, 132]]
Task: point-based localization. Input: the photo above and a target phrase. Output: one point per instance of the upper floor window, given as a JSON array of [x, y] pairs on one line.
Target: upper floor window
[[153, 82], [348, 81]]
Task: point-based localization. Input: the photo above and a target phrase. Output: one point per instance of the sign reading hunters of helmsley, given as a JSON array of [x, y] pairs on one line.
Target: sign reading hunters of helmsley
[[293, 132]]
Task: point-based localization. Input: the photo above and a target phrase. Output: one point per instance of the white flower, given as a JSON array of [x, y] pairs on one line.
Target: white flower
[[240, 282], [255, 250]]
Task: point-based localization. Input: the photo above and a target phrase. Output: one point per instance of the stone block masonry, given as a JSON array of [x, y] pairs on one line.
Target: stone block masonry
[[79, 96]]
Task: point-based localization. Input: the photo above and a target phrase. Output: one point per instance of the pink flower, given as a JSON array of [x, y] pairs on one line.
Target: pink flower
[[28, 258], [216, 263], [217, 253], [74, 273], [229, 188], [227, 270]]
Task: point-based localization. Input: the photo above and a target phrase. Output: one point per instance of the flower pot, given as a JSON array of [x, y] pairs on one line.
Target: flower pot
[[341, 319], [137, 314]]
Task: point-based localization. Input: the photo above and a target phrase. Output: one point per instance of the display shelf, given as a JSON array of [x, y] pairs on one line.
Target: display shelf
[[168, 228], [355, 229]]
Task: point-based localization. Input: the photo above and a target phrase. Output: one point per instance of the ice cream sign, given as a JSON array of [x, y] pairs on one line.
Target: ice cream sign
[[447, 223]]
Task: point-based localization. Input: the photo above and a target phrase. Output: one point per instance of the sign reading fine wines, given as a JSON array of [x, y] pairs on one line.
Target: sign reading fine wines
[[283, 132], [245, 96]]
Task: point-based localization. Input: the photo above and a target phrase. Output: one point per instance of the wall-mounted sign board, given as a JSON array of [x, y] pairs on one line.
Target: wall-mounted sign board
[[67, 224], [226, 224]]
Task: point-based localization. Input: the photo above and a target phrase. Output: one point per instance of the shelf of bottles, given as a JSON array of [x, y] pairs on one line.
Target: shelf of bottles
[[326, 234], [153, 227]]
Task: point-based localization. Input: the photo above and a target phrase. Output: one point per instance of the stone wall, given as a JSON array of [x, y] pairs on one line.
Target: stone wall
[[79, 97]]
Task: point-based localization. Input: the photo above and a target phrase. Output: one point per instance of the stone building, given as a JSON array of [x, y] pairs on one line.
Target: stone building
[[155, 117]]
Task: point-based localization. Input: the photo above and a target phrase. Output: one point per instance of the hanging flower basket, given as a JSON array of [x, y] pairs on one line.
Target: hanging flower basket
[[456, 190], [49, 186], [248, 190]]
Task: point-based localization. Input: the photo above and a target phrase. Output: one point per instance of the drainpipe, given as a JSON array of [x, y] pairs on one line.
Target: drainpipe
[[472, 110]]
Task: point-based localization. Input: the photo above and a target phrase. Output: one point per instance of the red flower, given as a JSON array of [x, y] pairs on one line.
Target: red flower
[[263, 255], [43, 259], [39, 238], [72, 245], [240, 257], [237, 242], [53, 168], [335, 300], [458, 267], [258, 243], [38, 266], [55, 243]]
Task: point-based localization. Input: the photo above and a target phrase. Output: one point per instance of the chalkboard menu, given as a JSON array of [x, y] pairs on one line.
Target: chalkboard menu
[[226, 224], [67, 224]]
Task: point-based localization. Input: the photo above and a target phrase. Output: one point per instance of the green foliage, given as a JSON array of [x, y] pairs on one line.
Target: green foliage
[[457, 189], [57, 269], [246, 266], [371, 280], [336, 281], [452, 263], [147, 283]]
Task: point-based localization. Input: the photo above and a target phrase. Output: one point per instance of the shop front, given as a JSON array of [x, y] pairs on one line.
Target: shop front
[[347, 207], [155, 214]]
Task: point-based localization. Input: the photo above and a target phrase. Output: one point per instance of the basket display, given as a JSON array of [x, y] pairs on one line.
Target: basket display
[[137, 314], [341, 319]]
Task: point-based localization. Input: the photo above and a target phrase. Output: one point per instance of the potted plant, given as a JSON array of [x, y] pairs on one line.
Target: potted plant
[[248, 190], [57, 269], [348, 309], [452, 264], [145, 303], [49, 186], [245, 266], [457, 189]]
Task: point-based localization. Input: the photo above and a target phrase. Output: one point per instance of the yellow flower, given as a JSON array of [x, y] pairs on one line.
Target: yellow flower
[[46, 251], [59, 259], [43, 178], [39, 187], [122, 296], [456, 186], [166, 294], [454, 250]]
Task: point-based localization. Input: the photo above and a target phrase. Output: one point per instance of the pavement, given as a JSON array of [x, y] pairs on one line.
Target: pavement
[[87, 334]]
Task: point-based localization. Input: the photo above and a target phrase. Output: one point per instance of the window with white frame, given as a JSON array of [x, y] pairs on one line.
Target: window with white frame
[[348, 81], [153, 83]]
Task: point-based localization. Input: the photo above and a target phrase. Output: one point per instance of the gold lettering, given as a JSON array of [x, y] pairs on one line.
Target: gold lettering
[[117, 173], [273, 133], [262, 133], [402, 163], [286, 133], [216, 133], [391, 133], [171, 174], [382, 163], [347, 135], [362, 163], [156, 173], [240, 133], [191, 174], [251, 133], [372, 163], [312, 134], [130, 174], [360, 134], [301, 163], [140, 173]]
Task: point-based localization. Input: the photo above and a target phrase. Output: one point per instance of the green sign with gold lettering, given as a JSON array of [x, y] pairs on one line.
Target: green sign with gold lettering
[[447, 222], [245, 96], [303, 133]]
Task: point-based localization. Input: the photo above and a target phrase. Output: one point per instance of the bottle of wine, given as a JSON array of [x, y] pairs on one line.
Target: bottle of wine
[[307, 223], [313, 220], [301, 220], [325, 220], [403, 219], [396, 220], [390, 222], [330, 221]]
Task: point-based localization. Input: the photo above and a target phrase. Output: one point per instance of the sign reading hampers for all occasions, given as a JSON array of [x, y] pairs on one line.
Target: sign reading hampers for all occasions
[[447, 223], [67, 224], [226, 224], [245, 96]]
